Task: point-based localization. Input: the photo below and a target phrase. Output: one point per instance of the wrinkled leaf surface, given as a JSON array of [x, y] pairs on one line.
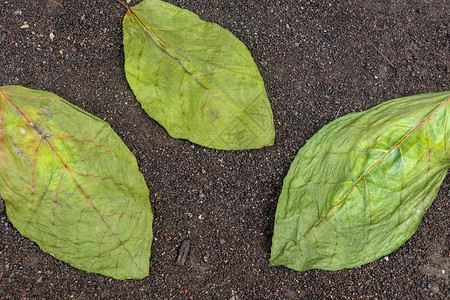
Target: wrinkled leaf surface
[[358, 188], [72, 186], [195, 78]]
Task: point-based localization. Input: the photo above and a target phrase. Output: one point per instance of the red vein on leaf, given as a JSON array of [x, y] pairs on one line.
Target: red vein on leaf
[[39, 114], [99, 177], [181, 89], [445, 132], [321, 182], [157, 70], [346, 213], [337, 231], [370, 169], [217, 98], [428, 154], [101, 243], [2, 134], [316, 242], [117, 214], [161, 45], [181, 97], [357, 150], [79, 220], [139, 63], [203, 116], [89, 200], [82, 141], [55, 202], [370, 207], [34, 97], [65, 166], [401, 187], [33, 170], [207, 74], [156, 76]]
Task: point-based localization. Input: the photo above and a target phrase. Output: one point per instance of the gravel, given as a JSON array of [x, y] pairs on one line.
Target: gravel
[[319, 60]]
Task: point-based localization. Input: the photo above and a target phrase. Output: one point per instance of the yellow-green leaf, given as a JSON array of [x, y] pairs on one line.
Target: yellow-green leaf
[[358, 189], [72, 186], [195, 78]]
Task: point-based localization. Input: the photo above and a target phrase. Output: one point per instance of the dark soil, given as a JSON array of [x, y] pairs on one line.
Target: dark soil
[[319, 60]]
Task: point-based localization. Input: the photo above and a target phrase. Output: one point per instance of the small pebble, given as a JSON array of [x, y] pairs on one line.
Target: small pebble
[[222, 241], [434, 288], [17, 12]]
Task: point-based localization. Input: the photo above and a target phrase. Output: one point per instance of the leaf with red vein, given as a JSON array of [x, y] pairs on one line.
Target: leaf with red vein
[[195, 78], [72, 186], [358, 189]]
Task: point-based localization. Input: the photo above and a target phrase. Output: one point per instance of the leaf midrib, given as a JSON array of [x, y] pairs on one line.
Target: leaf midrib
[[4, 95], [362, 177], [165, 50]]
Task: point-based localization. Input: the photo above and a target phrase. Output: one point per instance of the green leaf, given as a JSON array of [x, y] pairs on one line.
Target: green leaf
[[195, 78], [72, 186], [358, 189]]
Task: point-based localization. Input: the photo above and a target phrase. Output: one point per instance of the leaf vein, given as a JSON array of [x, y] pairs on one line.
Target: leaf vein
[[395, 146], [79, 187]]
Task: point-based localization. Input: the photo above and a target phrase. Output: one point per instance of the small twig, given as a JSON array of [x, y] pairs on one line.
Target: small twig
[[337, 113], [382, 55]]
